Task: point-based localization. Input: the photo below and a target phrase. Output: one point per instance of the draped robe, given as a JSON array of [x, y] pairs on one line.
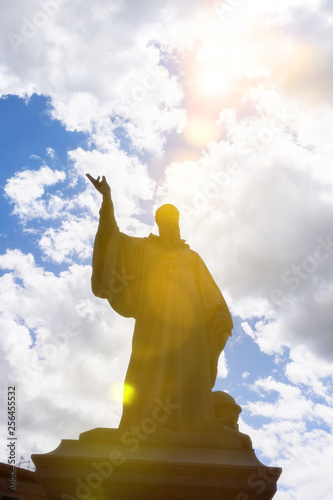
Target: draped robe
[[176, 343]]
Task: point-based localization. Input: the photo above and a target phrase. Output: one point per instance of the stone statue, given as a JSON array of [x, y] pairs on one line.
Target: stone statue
[[182, 322]]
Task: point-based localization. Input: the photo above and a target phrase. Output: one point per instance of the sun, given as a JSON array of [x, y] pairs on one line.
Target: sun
[[211, 68], [212, 81]]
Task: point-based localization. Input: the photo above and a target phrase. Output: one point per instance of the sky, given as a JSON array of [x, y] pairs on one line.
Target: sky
[[223, 108]]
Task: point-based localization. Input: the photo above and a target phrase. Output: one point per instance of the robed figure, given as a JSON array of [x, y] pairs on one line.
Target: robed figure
[[181, 319]]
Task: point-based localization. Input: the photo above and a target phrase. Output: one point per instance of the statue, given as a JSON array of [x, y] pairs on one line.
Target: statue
[[182, 322], [177, 438]]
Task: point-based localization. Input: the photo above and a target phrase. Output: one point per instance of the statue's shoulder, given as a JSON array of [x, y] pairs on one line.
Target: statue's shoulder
[[153, 238], [185, 245], [198, 261], [131, 240]]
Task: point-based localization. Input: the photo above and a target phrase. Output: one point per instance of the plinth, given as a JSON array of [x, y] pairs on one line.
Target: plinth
[[107, 464]]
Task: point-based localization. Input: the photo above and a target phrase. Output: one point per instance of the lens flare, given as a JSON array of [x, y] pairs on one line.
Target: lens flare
[[120, 392], [200, 132]]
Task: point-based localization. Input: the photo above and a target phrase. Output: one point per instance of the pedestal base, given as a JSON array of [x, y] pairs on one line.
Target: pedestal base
[[109, 464]]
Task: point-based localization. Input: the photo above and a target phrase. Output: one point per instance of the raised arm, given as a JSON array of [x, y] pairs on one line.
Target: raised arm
[[107, 221], [116, 258], [102, 187]]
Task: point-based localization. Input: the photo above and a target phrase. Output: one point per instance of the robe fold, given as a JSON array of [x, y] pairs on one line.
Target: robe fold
[[176, 340]]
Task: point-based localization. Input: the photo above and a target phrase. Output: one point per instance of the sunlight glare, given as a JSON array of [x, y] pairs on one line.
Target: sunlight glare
[[211, 82], [200, 132], [122, 392]]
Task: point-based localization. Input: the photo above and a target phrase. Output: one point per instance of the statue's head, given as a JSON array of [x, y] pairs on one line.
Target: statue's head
[[167, 214], [167, 219]]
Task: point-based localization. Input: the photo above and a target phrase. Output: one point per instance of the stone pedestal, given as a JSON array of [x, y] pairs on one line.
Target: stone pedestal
[[107, 464]]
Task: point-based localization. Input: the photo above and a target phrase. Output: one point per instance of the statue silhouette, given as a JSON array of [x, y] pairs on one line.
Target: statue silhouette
[[182, 322]]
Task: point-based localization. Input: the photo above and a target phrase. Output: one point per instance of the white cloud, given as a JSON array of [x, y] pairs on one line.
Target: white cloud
[[255, 202], [51, 153], [128, 178], [51, 322], [306, 369], [267, 335], [26, 190], [291, 404], [303, 456], [267, 214], [73, 238], [99, 60], [293, 439], [222, 367], [75, 213]]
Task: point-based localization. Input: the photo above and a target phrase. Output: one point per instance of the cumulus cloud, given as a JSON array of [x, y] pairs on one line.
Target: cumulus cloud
[[245, 89], [54, 334], [101, 61], [26, 190], [306, 369], [128, 177], [73, 238], [260, 196], [75, 213], [297, 436]]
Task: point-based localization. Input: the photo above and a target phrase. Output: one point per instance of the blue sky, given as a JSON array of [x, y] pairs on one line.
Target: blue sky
[[27, 131], [223, 109]]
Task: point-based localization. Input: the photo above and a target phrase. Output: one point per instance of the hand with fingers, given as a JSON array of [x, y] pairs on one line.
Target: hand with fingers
[[102, 186]]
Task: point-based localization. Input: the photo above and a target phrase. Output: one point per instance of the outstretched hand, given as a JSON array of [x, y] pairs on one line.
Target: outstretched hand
[[101, 186]]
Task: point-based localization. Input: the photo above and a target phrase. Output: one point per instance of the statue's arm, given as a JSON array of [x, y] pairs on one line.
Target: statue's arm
[[222, 325], [107, 219], [102, 187]]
